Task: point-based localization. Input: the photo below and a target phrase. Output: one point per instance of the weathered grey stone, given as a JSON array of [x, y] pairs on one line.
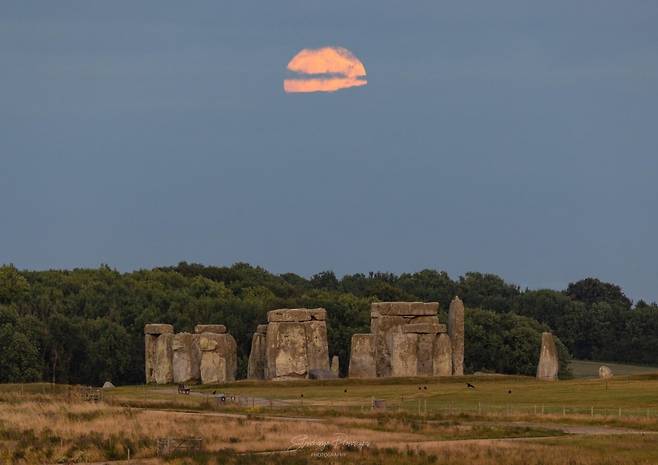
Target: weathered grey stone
[[186, 358], [383, 329], [425, 354], [262, 329], [424, 328], [218, 358], [149, 357], [289, 315], [213, 368], [286, 350], [442, 355], [158, 328], [319, 314], [605, 372], [405, 308], [163, 371], [456, 332], [317, 347], [217, 329], [548, 365], [362, 356], [256, 366], [404, 355], [432, 320], [335, 365]]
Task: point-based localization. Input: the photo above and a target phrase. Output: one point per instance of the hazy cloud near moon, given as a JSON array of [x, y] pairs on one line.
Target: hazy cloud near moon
[[325, 69]]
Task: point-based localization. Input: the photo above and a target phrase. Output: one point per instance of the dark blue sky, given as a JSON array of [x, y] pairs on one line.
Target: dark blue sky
[[511, 137]]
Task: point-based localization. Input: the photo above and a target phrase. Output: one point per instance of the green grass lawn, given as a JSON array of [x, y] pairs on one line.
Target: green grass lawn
[[523, 394], [589, 369]]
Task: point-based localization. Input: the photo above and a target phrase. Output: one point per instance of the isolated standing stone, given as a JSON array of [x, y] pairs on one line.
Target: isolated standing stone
[[605, 372], [456, 332], [362, 356], [335, 365], [548, 365], [187, 358], [442, 356]]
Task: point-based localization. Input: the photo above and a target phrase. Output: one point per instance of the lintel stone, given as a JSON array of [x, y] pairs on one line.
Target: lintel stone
[[158, 328]]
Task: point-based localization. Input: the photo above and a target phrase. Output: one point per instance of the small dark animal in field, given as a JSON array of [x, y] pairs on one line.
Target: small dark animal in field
[[419, 388], [345, 390], [425, 387], [509, 392], [214, 393], [470, 386]]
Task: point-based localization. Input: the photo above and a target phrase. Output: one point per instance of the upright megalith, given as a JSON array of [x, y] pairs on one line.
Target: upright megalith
[[406, 340], [456, 333], [209, 355], [442, 356], [404, 355], [387, 320], [186, 358], [256, 366], [548, 365], [362, 357], [295, 343], [158, 353], [219, 354]]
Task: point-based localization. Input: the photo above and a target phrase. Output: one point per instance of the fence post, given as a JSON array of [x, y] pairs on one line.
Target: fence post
[[564, 410], [592, 411], [480, 409], [620, 412]]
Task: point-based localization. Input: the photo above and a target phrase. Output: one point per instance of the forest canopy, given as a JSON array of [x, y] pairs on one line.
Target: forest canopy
[[86, 325]]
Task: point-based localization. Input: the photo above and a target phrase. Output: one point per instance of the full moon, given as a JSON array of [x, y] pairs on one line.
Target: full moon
[[325, 69]]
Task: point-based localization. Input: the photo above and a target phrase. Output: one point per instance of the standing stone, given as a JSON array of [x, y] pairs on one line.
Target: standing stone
[[548, 365], [335, 365], [218, 358], [605, 372], [149, 357], [442, 356], [286, 350], [362, 356], [256, 367], [384, 328], [404, 355], [425, 354], [163, 370], [456, 332], [317, 346], [187, 358], [151, 334], [295, 343]]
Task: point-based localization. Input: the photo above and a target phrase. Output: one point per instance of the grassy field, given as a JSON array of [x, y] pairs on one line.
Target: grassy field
[[589, 369], [504, 419]]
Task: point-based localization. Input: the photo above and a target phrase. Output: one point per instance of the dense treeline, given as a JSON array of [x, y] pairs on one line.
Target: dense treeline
[[85, 325]]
